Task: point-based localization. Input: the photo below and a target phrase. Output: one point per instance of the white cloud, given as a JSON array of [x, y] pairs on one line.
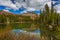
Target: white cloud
[[8, 3], [57, 7], [18, 4], [24, 11], [6, 10], [30, 9], [38, 4], [30, 5]]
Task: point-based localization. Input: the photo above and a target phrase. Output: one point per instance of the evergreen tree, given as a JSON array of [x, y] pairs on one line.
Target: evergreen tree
[[52, 8], [46, 8]]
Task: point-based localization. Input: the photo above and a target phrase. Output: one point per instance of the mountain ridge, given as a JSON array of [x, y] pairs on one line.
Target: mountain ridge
[[4, 12]]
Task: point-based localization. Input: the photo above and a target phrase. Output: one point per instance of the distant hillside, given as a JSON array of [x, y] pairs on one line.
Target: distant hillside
[[4, 12], [31, 14], [28, 14]]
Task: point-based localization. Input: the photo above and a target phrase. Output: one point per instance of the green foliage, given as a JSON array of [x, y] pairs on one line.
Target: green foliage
[[46, 8], [49, 18], [7, 19], [26, 18], [20, 25], [2, 26], [2, 18]]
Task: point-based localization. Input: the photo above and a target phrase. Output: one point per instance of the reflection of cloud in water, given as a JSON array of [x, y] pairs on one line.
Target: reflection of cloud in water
[[18, 31]]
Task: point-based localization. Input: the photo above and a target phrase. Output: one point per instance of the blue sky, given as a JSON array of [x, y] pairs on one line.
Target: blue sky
[[22, 6]]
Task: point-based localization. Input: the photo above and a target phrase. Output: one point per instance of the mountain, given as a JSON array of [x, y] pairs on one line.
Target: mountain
[[32, 15], [4, 12]]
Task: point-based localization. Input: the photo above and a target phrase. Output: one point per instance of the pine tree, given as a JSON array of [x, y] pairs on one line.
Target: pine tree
[[52, 8], [46, 8]]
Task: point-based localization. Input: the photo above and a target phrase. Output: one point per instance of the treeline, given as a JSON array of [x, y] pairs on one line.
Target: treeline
[[4, 18]]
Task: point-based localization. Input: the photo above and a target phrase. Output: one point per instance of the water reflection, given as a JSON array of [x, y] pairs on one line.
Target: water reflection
[[2, 26], [25, 31], [18, 31], [22, 26]]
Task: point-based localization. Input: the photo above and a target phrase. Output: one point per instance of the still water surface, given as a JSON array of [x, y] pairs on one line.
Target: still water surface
[[21, 27]]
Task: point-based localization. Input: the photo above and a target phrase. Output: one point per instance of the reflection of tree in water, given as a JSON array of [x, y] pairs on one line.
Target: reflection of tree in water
[[4, 28], [33, 27]]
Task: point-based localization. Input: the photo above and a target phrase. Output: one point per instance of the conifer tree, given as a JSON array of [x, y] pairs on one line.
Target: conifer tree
[[46, 8], [52, 8]]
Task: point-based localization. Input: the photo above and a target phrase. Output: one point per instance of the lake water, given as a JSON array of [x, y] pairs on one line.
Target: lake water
[[19, 31], [20, 27]]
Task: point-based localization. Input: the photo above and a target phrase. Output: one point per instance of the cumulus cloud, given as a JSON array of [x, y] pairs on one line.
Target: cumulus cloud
[[57, 7], [30, 5], [38, 4], [8, 3], [19, 4], [30, 9], [6, 10]]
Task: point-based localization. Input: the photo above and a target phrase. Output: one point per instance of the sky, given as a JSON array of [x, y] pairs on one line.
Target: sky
[[22, 6]]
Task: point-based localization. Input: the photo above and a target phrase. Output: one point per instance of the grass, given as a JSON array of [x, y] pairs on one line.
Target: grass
[[20, 36]]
